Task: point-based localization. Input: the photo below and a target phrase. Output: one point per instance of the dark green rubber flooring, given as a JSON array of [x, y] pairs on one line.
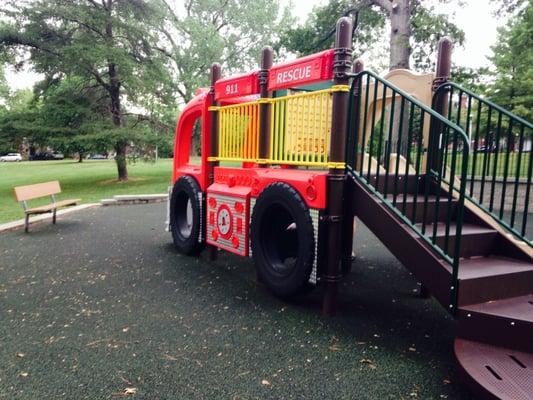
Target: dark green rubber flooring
[[100, 306]]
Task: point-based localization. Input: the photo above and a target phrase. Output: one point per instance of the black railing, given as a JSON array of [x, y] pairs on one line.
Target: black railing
[[388, 134], [501, 160]]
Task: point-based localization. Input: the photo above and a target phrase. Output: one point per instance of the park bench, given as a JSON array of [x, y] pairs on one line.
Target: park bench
[[30, 192]]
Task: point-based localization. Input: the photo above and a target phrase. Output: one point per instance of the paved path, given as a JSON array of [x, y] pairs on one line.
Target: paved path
[[101, 305]]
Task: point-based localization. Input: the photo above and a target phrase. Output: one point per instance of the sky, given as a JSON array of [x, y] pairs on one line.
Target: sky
[[474, 18]]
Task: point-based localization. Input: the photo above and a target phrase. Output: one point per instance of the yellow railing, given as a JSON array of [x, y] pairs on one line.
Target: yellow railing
[[238, 132], [300, 130]]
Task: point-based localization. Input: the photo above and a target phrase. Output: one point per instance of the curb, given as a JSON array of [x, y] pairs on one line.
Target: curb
[[44, 217], [120, 200]]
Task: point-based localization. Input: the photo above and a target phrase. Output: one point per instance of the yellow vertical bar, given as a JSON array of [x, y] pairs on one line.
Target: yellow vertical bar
[[256, 130], [282, 131], [290, 132], [301, 117], [234, 133], [248, 132], [309, 130], [221, 125], [279, 128], [272, 131], [231, 130], [249, 136], [278, 131], [280, 105], [287, 154], [313, 134], [273, 110], [301, 139], [327, 130]]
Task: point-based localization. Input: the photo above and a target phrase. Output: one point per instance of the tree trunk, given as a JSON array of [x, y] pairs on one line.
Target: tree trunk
[[400, 48], [113, 88], [120, 159], [80, 157], [400, 51]]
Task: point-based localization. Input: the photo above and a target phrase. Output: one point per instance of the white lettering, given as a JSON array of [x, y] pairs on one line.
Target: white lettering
[[232, 88], [295, 74]]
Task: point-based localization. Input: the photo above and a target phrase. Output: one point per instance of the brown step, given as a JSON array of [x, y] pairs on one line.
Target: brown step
[[492, 278], [414, 182], [476, 240], [506, 322], [434, 205], [495, 372]]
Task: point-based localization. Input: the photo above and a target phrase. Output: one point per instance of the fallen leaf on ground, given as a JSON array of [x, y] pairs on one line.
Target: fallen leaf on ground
[[129, 391], [368, 362], [334, 347]]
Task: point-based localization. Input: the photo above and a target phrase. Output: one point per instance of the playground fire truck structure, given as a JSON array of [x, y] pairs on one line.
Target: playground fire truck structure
[[292, 152]]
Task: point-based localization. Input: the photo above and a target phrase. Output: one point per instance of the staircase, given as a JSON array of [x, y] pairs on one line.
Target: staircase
[[407, 177]]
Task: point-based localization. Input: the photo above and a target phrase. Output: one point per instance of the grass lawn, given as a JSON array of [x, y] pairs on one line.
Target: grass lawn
[[90, 181], [485, 163]]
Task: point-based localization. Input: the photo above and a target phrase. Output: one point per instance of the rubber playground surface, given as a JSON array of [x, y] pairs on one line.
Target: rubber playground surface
[[100, 306]]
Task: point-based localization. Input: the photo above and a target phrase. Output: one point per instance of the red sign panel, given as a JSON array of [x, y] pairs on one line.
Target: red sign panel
[[305, 70], [237, 86]]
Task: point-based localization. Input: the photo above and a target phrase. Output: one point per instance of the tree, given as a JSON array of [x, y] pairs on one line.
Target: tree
[[512, 59], [108, 44], [230, 32], [415, 29], [73, 114]]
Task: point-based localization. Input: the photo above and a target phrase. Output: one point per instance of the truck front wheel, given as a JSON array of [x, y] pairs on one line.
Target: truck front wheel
[[283, 242], [185, 216]]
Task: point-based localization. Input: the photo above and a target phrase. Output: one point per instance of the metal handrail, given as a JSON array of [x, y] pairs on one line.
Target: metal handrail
[[371, 157], [485, 121]]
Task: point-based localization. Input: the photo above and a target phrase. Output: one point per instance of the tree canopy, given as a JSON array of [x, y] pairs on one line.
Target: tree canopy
[[107, 45], [512, 59], [415, 31]]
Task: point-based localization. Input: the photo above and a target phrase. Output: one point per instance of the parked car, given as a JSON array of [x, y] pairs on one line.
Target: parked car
[[10, 157], [97, 157], [43, 156]]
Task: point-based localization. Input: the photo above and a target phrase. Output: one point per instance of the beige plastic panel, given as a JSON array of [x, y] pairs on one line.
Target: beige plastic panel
[[415, 84]]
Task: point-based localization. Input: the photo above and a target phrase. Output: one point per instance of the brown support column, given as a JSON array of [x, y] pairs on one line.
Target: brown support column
[[336, 177], [348, 223], [213, 146], [442, 74], [267, 56], [440, 105]]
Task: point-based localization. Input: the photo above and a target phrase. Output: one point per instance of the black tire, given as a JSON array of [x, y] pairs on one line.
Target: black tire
[[283, 241], [185, 216]]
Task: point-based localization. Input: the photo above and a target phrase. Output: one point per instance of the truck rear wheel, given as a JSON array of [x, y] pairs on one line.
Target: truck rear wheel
[[283, 242], [185, 216]]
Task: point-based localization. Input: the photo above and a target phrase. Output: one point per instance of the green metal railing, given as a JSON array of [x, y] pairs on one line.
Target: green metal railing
[[387, 139], [501, 161]]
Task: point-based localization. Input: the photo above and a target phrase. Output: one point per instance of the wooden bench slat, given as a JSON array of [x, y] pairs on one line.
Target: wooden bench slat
[[29, 192], [50, 207]]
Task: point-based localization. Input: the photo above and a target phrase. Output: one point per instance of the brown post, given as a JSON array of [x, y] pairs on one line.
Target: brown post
[[267, 57], [348, 220], [213, 147], [442, 74], [336, 177]]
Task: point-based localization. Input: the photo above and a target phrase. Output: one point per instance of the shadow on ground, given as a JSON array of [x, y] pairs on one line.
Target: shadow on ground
[[101, 302]]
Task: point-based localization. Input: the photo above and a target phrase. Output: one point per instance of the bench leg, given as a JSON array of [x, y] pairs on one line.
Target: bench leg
[[27, 223], [54, 216]]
